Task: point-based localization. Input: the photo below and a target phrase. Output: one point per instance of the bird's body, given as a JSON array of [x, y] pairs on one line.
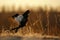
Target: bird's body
[[21, 19]]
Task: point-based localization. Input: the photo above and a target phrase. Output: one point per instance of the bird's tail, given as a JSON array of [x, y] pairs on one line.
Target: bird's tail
[[26, 13]]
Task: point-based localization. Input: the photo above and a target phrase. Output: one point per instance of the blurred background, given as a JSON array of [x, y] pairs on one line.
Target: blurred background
[[43, 20]]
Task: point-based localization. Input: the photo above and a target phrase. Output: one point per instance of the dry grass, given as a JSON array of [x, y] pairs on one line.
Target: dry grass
[[42, 22]]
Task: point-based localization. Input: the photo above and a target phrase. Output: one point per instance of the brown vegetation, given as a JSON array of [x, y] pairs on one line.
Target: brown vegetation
[[42, 22]]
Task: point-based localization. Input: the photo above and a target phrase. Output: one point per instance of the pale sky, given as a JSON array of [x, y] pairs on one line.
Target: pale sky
[[29, 3]]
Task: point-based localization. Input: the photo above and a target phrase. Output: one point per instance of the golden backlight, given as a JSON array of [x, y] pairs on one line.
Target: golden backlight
[[37, 19], [27, 3]]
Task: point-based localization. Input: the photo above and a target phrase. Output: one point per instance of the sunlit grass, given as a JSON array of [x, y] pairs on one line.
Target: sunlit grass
[[40, 22]]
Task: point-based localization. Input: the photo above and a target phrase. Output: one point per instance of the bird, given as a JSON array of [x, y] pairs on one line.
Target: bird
[[21, 19]]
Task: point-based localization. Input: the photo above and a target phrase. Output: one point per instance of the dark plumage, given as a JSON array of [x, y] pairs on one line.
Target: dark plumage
[[22, 19], [15, 15]]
